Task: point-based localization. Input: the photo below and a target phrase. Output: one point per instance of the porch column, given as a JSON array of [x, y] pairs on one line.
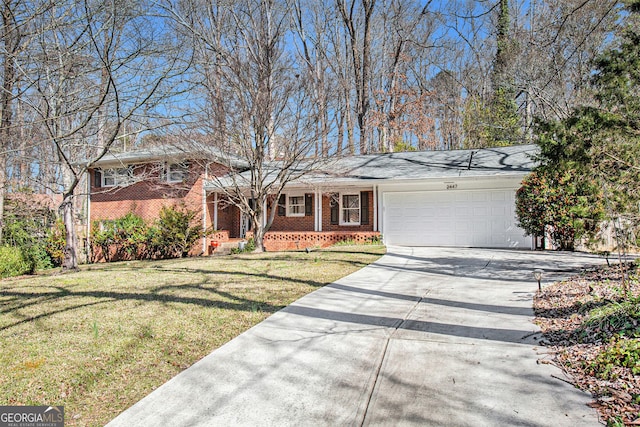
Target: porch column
[[215, 210], [375, 208], [318, 216]]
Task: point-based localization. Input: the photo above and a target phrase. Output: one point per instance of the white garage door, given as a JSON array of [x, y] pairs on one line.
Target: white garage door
[[453, 218]]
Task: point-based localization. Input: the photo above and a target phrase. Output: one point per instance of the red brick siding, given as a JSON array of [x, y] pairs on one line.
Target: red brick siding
[[326, 217], [287, 241], [229, 219], [306, 223], [294, 223], [147, 197]]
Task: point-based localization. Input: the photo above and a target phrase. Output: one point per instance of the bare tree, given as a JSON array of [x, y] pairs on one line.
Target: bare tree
[[313, 53], [96, 65], [16, 16], [358, 22], [268, 116]]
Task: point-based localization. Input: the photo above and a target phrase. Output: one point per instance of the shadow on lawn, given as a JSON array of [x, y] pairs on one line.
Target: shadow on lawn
[[19, 300], [55, 302], [174, 264]]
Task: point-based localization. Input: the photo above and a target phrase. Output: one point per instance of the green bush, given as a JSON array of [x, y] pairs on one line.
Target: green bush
[[250, 246], [13, 262], [124, 238], [55, 244], [29, 235], [571, 208], [174, 233], [621, 353]]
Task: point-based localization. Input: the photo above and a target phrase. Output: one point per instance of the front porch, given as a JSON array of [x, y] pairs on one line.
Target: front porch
[[305, 218]]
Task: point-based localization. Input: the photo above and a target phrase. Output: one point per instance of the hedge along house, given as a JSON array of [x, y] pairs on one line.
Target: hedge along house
[[460, 198]]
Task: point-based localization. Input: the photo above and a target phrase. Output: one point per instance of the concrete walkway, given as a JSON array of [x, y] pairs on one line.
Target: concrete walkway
[[425, 336]]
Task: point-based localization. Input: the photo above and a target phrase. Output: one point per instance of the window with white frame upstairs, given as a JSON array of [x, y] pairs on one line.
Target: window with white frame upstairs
[[177, 172], [116, 176]]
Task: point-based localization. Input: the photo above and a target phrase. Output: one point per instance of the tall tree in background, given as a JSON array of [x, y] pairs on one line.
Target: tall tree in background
[[270, 126], [612, 131], [599, 144], [12, 43], [496, 119], [358, 22], [96, 65]]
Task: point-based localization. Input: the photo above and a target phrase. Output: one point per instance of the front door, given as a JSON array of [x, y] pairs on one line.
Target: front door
[[245, 225]]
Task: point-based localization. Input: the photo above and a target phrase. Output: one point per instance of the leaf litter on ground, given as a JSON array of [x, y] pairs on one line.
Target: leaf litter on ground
[[592, 327]]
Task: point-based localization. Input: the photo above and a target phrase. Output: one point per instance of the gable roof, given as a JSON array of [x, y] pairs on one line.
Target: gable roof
[[413, 166]]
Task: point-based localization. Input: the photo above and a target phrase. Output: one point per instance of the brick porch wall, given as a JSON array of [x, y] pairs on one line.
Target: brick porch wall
[[287, 241]]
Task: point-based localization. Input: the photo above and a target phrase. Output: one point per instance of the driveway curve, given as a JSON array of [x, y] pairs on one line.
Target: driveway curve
[[424, 336]]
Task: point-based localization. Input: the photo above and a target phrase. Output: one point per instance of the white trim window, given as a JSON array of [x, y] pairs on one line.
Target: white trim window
[[349, 209], [116, 176], [176, 172], [295, 205]]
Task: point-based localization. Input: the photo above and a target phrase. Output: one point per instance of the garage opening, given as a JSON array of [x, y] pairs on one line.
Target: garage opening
[[479, 218]]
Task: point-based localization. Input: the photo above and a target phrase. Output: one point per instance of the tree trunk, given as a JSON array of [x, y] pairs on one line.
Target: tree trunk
[[10, 40], [349, 120], [70, 261], [258, 229], [258, 238], [3, 165]]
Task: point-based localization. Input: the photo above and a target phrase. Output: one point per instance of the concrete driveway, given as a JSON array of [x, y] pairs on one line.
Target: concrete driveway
[[425, 336]]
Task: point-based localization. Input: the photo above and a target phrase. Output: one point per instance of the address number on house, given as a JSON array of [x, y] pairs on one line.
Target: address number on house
[[451, 185]]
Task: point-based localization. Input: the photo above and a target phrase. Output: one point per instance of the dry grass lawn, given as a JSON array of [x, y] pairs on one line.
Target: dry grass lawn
[[98, 340]]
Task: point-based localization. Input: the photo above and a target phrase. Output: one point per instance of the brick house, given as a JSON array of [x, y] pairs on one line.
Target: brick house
[[437, 198]]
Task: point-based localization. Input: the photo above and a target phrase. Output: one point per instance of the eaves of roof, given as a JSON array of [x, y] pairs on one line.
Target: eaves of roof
[[412, 167], [168, 153]]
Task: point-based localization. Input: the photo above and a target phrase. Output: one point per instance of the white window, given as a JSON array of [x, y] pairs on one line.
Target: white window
[[349, 209], [177, 172], [295, 205], [116, 176]]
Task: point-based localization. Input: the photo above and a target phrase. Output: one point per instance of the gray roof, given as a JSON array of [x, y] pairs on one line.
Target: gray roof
[[419, 165], [168, 153]]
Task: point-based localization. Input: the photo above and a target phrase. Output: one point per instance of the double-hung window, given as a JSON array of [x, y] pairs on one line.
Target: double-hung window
[[295, 205], [350, 209], [177, 172], [116, 176]]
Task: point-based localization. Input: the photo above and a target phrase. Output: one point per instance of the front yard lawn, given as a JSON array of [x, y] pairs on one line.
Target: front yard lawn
[[98, 340]]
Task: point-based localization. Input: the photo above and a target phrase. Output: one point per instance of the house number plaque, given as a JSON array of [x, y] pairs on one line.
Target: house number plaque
[[451, 185]]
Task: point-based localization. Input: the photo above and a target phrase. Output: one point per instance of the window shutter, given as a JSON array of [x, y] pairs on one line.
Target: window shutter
[[282, 201], [364, 208], [308, 204], [335, 208], [97, 178]]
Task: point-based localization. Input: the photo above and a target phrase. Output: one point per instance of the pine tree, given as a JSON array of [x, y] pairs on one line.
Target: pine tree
[[600, 143], [495, 121]]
